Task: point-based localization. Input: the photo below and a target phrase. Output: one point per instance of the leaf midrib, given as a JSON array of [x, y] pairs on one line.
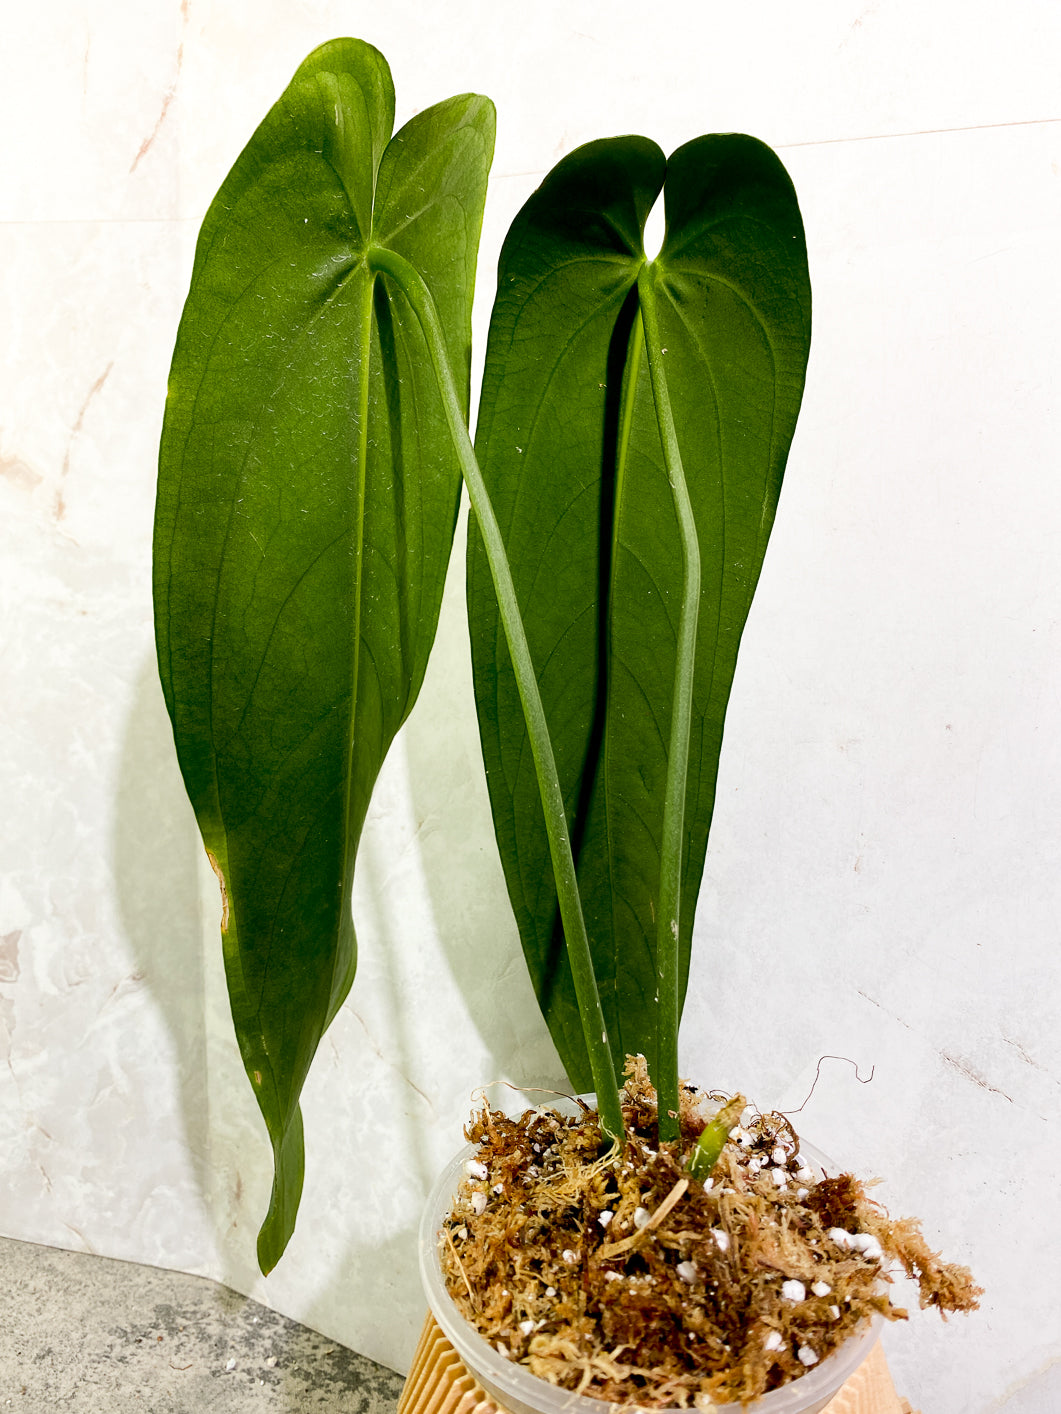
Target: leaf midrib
[[631, 373]]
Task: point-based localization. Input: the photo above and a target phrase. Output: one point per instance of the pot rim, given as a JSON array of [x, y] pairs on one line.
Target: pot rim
[[520, 1392]]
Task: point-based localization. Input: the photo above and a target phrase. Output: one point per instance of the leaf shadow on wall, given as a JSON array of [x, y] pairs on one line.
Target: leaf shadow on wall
[[170, 911], [155, 845], [166, 914], [461, 868]]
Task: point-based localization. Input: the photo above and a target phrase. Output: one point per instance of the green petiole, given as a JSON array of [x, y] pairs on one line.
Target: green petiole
[[602, 1066], [669, 905]]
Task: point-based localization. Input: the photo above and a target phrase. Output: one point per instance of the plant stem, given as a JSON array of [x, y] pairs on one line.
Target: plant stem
[[670, 871], [713, 1138], [589, 1005]]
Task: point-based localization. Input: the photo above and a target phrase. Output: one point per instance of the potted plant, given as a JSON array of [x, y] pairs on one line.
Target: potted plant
[[633, 429]]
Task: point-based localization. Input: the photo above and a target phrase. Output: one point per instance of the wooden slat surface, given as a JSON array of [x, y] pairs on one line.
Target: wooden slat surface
[[438, 1383]]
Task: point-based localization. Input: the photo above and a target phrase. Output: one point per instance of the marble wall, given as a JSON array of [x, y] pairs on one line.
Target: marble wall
[[882, 880]]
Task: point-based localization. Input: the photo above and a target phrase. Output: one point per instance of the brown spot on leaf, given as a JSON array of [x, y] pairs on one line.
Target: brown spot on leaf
[[224, 891]]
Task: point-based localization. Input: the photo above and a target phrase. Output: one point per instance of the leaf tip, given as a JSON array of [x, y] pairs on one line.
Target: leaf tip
[[289, 1168]]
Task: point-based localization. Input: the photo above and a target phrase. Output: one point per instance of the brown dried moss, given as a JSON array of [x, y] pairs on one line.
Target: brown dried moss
[[677, 1297]]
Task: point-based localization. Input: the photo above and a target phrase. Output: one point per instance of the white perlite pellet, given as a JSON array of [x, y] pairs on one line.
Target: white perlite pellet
[[478, 1203], [721, 1239], [793, 1290], [686, 1271], [526, 1327], [806, 1355], [779, 1156], [821, 1288], [605, 1217], [868, 1245], [863, 1242], [641, 1218], [569, 1256], [773, 1341], [474, 1169]]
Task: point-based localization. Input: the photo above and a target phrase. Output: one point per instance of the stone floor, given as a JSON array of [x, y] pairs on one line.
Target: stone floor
[[88, 1335]]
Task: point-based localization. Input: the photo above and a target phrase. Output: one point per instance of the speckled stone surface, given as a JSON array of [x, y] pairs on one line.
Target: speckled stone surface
[[88, 1334]]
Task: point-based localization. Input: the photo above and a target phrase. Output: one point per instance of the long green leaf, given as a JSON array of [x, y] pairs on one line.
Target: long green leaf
[[307, 497], [571, 453]]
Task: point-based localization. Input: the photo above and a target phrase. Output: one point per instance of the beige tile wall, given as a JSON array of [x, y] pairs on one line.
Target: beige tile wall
[[882, 881]]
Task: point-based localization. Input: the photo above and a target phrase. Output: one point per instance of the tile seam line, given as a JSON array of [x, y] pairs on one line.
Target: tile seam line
[[859, 137], [102, 221], [500, 176], [864, 137], [923, 132]]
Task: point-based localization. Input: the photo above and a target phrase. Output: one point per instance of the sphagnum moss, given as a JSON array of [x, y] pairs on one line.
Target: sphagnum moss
[[618, 1275]]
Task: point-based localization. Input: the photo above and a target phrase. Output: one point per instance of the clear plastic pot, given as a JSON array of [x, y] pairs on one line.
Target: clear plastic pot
[[518, 1391]]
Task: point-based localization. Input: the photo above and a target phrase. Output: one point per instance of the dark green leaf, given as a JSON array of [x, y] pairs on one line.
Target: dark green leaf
[[571, 454], [306, 505]]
